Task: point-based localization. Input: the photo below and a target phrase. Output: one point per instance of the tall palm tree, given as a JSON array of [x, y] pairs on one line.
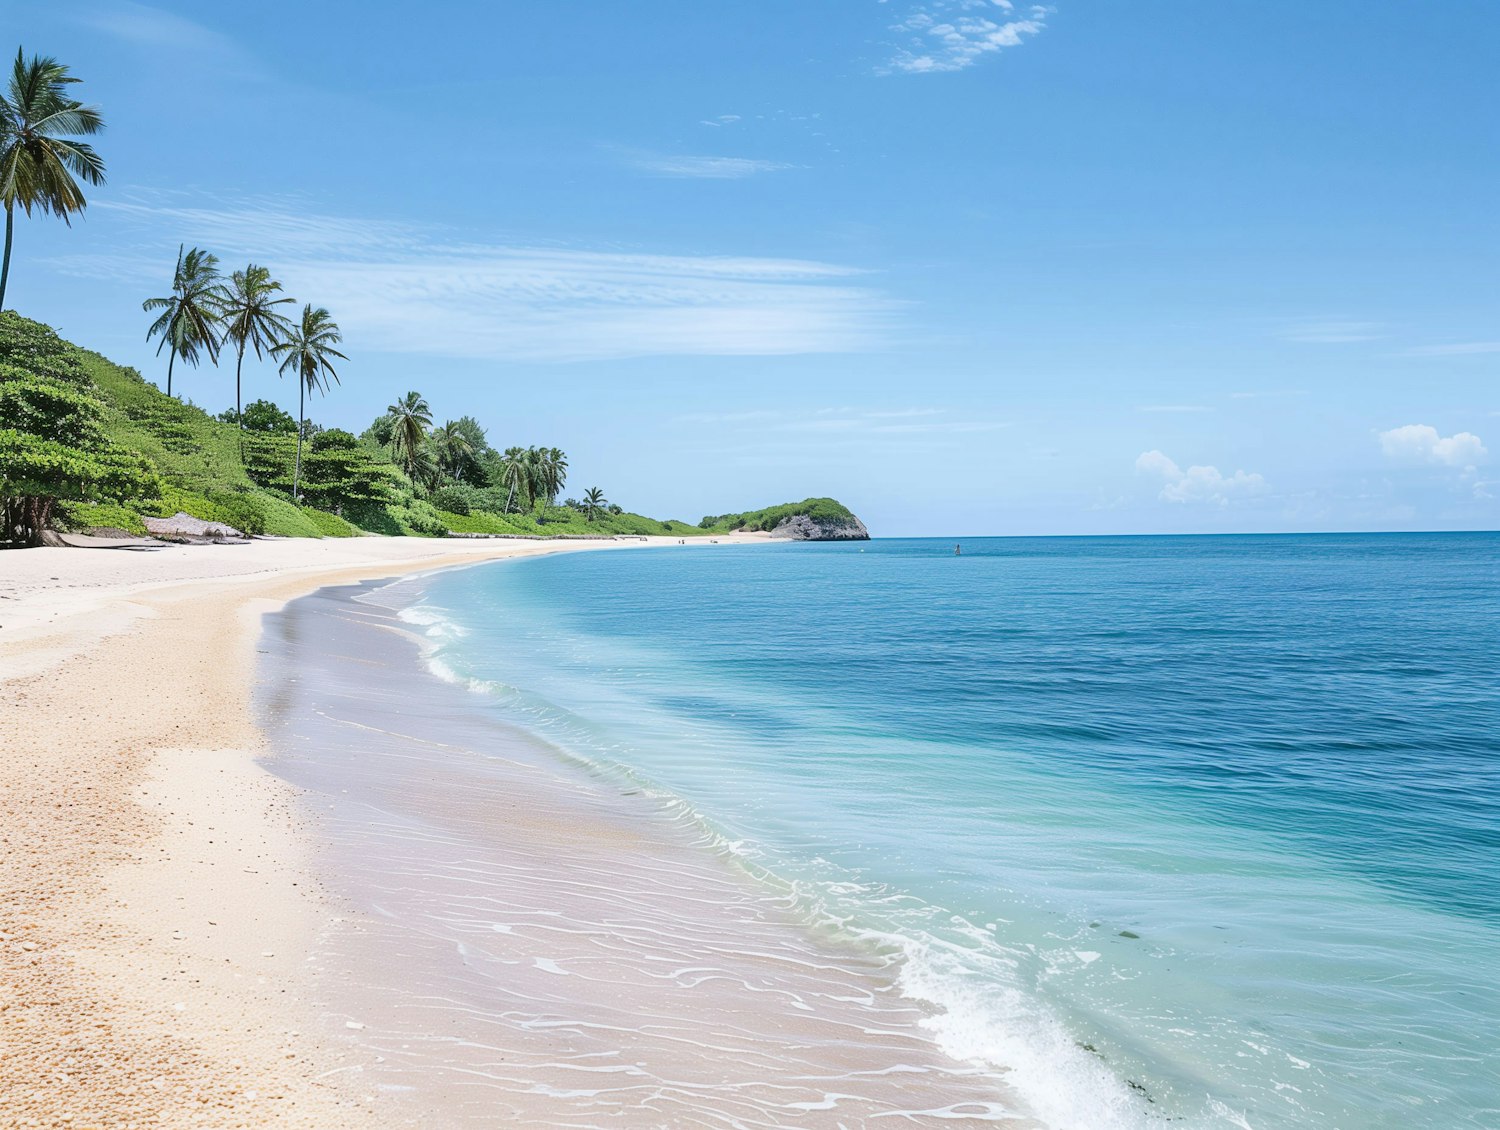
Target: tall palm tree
[[516, 475], [412, 418], [38, 158], [251, 319], [594, 503], [190, 314], [306, 351], [452, 447], [554, 473]]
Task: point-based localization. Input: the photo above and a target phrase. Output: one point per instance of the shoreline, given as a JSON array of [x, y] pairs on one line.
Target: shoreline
[[156, 889], [572, 952]]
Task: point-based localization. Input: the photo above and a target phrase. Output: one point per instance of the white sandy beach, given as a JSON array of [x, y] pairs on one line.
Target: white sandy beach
[[154, 896]]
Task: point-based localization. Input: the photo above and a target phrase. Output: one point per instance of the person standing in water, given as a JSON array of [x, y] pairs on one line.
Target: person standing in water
[[958, 551]]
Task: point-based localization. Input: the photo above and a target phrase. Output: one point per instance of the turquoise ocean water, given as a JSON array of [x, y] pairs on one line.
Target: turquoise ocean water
[[1193, 829]]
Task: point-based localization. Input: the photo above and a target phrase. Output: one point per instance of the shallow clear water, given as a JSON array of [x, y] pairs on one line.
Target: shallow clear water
[[1222, 813]]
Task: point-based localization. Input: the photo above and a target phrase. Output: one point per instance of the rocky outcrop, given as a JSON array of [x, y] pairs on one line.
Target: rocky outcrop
[[184, 527], [800, 527]]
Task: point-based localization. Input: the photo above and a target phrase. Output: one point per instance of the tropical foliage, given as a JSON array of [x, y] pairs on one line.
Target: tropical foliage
[[41, 160], [410, 417], [53, 446], [594, 504], [189, 322], [307, 352], [251, 319]]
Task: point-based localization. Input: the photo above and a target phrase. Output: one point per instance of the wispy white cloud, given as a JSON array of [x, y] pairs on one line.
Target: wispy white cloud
[[705, 168], [1321, 331], [721, 120], [950, 35], [1422, 443], [399, 288], [1197, 484], [1458, 349]]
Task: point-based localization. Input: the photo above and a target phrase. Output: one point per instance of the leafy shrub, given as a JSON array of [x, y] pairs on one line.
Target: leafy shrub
[[37, 350], [89, 515], [262, 416], [421, 518], [457, 498], [329, 525], [246, 512]]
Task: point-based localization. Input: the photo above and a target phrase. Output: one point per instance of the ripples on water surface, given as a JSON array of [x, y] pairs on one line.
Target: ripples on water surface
[[1218, 815]]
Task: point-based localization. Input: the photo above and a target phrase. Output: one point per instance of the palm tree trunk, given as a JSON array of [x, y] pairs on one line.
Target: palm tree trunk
[[301, 417], [171, 360], [238, 419], [10, 227]]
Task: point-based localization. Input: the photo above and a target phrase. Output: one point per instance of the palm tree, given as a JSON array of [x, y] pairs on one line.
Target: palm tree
[[251, 318], [452, 447], [412, 418], [306, 351], [594, 503], [554, 468], [191, 313], [38, 161], [516, 475]]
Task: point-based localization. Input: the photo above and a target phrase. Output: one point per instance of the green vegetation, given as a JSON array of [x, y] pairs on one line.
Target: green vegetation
[[54, 446], [88, 443], [189, 319], [307, 352], [818, 509], [39, 158], [251, 319]]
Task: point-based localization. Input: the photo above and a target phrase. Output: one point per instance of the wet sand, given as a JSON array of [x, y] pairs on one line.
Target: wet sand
[[171, 950], [524, 941]]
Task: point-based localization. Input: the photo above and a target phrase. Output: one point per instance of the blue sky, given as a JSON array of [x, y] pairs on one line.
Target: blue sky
[[1093, 267]]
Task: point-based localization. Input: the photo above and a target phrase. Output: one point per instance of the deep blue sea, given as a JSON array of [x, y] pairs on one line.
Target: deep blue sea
[[1218, 815]]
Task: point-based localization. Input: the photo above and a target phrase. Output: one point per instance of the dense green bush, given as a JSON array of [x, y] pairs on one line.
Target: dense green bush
[[457, 498], [245, 511], [37, 350], [329, 525], [89, 515], [263, 416], [53, 447]]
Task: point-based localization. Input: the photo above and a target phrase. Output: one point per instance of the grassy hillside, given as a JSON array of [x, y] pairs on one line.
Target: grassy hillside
[[197, 456], [209, 469]]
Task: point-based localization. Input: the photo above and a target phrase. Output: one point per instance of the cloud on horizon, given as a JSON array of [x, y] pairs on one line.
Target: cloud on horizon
[[950, 35], [397, 287], [1424, 444], [1197, 484]]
